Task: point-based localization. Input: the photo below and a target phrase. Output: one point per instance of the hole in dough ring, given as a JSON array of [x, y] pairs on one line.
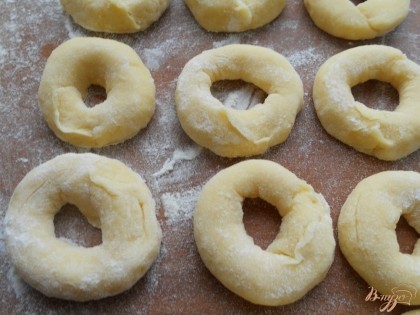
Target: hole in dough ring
[[369, 19], [112, 197], [366, 231], [295, 262], [234, 15], [384, 134], [115, 16], [81, 62], [230, 132]]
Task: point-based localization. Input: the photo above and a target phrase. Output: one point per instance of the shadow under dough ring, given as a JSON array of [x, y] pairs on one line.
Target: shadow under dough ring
[[231, 132], [115, 16], [294, 263], [366, 231], [369, 19], [81, 62], [234, 15], [112, 197], [387, 135]]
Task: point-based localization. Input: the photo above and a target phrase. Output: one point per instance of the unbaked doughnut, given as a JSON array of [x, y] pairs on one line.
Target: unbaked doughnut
[[366, 231], [234, 15], [230, 132], [115, 16], [81, 62], [369, 19], [294, 263], [384, 134], [112, 197]]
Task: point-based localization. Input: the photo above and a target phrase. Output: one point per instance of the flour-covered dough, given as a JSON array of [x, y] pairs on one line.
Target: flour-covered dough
[[112, 197], [234, 15], [387, 135], [366, 20], [294, 263], [366, 231], [115, 16], [81, 62], [231, 132]]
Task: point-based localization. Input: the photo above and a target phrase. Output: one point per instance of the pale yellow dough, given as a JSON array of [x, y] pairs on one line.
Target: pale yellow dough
[[414, 312], [115, 16], [234, 15], [369, 19], [112, 197], [81, 62], [231, 132], [366, 231], [294, 263], [384, 134]]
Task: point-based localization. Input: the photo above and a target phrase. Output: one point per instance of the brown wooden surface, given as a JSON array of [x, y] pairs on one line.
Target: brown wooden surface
[[178, 282]]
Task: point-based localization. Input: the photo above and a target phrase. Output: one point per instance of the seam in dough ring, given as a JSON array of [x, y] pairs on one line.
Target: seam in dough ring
[[369, 19], [366, 230], [294, 263], [114, 16], [386, 135], [112, 197], [81, 62], [234, 15], [231, 132]]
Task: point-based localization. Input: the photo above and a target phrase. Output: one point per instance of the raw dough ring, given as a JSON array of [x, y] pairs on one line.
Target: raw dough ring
[[384, 134], [115, 16], [112, 197], [234, 15], [369, 19], [366, 230], [295, 262], [230, 132], [81, 62]]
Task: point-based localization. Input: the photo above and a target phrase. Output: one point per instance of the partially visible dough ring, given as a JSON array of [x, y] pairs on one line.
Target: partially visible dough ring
[[294, 263], [115, 16], [81, 62], [230, 132], [366, 231], [384, 134], [234, 15], [369, 19], [112, 197]]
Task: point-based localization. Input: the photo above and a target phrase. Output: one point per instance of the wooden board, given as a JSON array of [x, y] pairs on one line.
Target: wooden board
[[178, 282]]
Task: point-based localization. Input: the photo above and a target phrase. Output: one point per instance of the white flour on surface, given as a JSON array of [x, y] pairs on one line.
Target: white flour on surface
[[20, 288], [71, 28], [178, 156], [179, 206], [244, 98], [305, 57]]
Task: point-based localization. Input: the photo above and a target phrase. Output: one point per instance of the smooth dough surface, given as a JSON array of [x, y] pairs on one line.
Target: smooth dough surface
[[231, 132], [234, 15], [368, 19], [115, 16], [413, 312], [387, 135], [295, 262], [112, 197], [81, 62], [366, 231]]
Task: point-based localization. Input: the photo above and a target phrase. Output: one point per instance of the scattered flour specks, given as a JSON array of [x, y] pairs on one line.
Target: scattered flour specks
[[3, 54], [179, 155], [155, 57], [230, 40], [71, 29], [179, 206], [305, 57], [18, 285]]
